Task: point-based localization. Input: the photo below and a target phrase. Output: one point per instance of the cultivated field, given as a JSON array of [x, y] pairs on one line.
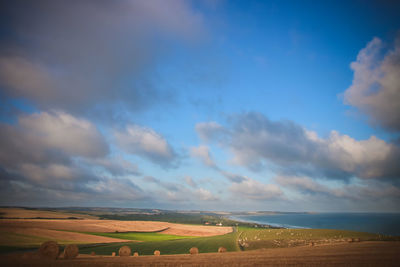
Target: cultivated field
[[20, 213], [343, 254], [27, 233]]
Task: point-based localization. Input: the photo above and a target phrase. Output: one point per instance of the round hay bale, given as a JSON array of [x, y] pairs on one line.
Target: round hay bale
[[124, 251], [350, 240], [92, 253], [311, 244], [113, 254], [135, 254], [357, 240], [71, 252], [49, 250], [221, 250], [194, 250], [157, 253]]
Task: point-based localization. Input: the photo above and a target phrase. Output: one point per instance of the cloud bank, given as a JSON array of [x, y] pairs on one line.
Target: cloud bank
[[256, 142], [87, 57]]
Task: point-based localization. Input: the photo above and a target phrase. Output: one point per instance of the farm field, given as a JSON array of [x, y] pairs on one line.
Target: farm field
[[141, 236], [244, 238], [253, 238], [168, 247], [343, 254], [111, 226], [22, 213], [30, 233]]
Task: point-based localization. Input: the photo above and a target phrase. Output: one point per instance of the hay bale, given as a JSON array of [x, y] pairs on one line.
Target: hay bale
[[357, 240], [92, 253], [311, 244], [135, 254], [124, 251], [157, 253], [49, 250], [221, 250], [113, 254], [71, 252], [350, 240], [194, 250]]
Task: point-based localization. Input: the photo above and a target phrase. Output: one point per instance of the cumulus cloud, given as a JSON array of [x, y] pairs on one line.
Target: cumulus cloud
[[209, 131], [45, 137], [255, 190], [81, 56], [45, 149], [375, 89], [256, 141], [203, 153], [145, 142], [59, 130]]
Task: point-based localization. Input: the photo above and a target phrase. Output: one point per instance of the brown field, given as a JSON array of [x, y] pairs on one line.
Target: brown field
[[60, 235], [345, 254], [29, 214], [14, 231], [110, 226]]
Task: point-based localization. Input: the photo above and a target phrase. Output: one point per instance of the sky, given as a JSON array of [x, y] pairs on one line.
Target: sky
[[201, 105]]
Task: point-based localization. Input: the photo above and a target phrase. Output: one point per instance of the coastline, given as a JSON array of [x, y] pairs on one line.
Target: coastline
[[263, 223]]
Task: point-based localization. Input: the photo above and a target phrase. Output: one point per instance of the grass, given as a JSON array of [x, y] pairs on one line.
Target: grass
[[252, 238], [168, 247], [141, 236]]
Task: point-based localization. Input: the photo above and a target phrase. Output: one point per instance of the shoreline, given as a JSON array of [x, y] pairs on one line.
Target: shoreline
[[264, 224]]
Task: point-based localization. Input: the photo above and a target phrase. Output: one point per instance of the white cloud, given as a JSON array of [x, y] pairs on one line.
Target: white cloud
[[59, 130], [203, 153], [145, 142], [255, 141], [376, 84], [49, 137], [253, 189]]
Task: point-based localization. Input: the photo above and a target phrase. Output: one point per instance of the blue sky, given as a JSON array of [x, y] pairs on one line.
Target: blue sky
[[212, 105]]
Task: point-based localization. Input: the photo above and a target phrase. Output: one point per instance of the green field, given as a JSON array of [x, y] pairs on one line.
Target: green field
[[178, 246], [141, 236]]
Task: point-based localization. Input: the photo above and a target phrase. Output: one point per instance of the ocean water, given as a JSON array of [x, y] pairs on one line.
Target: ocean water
[[380, 223]]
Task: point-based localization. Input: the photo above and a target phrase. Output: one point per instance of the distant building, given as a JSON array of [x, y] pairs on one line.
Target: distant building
[[207, 223], [219, 224]]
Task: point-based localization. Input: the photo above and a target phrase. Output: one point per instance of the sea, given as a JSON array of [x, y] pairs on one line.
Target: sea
[[379, 223]]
